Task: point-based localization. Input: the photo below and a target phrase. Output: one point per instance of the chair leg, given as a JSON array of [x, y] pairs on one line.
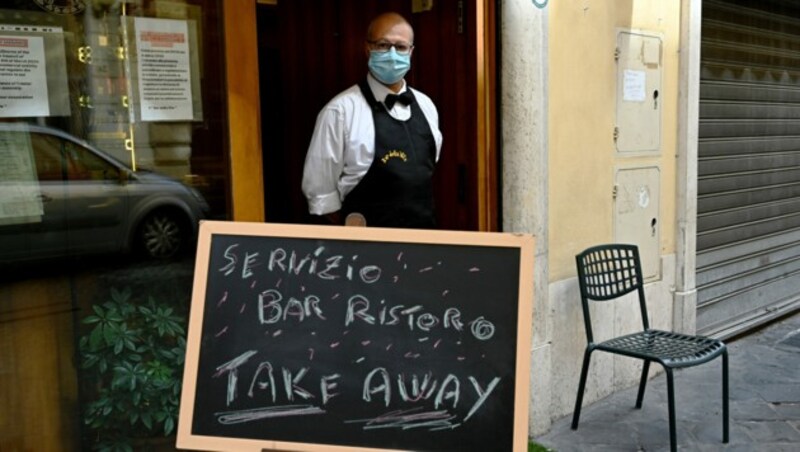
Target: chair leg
[[576, 415], [725, 421], [642, 383], [673, 446]]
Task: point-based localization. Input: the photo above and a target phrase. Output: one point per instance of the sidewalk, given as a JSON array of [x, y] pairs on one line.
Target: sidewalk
[[764, 374]]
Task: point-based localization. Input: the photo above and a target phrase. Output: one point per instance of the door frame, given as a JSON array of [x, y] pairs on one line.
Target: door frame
[[487, 165], [244, 136]]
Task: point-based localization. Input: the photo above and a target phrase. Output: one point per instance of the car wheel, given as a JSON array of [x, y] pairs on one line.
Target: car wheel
[[162, 235]]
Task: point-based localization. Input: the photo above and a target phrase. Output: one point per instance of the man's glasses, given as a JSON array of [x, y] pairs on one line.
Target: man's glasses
[[402, 48]]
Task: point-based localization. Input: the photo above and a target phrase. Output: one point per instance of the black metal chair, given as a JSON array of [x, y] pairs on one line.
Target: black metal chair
[[608, 272]]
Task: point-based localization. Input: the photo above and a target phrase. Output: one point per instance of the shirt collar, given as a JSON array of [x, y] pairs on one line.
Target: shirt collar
[[379, 90]]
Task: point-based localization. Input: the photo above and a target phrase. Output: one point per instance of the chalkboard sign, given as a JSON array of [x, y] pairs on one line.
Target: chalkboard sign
[[347, 338]]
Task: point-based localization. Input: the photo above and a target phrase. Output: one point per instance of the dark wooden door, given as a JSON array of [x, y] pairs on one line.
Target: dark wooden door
[[311, 50]]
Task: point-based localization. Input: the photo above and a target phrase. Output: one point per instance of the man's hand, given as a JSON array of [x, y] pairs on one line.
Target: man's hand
[[334, 218]]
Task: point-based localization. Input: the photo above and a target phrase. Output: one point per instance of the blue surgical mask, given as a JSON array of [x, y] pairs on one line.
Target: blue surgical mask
[[389, 67]]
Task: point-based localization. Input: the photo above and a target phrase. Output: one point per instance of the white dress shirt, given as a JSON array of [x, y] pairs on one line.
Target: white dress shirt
[[343, 143]]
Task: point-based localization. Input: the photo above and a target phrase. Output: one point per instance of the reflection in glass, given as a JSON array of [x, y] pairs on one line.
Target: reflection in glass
[[99, 205]]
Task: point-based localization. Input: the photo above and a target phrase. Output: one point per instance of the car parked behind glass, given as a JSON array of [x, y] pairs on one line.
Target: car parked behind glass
[[61, 197]]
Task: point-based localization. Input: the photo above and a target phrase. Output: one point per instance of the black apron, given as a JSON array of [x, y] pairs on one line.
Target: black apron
[[397, 190]]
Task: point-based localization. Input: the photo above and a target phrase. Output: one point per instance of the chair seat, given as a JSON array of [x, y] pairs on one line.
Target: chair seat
[[668, 348]]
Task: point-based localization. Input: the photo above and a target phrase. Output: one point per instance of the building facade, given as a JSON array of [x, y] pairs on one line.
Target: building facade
[[667, 124]]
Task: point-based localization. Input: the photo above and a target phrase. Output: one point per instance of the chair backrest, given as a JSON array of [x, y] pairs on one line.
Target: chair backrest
[[608, 272]]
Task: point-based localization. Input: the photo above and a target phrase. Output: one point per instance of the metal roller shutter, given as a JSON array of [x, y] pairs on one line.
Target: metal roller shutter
[[748, 207]]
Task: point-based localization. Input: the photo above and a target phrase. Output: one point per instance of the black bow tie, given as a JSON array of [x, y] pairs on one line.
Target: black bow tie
[[404, 98]]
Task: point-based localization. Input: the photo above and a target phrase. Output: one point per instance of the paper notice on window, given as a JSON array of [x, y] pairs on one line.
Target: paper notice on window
[[19, 187], [23, 78], [634, 85], [165, 87]]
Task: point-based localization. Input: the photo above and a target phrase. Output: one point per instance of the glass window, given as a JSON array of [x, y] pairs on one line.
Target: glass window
[[47, 154], [83, 165], [113, 147]]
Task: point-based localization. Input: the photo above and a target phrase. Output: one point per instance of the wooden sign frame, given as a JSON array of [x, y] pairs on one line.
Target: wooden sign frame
[[525, 243]]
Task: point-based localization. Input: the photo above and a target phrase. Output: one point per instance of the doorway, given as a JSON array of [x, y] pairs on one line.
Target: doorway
[[309, 51]]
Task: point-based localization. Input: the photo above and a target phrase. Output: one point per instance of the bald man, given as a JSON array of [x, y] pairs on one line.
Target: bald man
[[375, 145]]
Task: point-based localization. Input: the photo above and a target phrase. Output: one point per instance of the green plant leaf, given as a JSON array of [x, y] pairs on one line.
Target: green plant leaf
[[147, 420], [92, 318], [134, 357], [96, 337], [169, 426], [98, 309], [109, 332], [120, 296], [90, 360]]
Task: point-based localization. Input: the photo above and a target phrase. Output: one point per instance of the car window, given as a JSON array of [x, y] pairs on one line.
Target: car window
[[47, 154], [83, 164]]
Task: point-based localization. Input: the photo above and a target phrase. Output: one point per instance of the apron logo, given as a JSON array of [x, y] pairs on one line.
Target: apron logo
[[394, 154]]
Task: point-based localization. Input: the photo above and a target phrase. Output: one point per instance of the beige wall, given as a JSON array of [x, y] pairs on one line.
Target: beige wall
[[582, 155], [583, 160], [559, 78]]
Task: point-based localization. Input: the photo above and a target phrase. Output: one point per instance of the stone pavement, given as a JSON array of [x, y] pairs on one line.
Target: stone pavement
[[764, 376]]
